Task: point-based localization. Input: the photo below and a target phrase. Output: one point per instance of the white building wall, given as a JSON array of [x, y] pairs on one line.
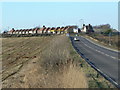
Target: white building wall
[[84, 29], [17, 32], [40, 32], [14, 32], [75, 30], [20, 32], [30, 32], [23, 32], [34, 32], [49, 32], [9, 32], [27, 32]]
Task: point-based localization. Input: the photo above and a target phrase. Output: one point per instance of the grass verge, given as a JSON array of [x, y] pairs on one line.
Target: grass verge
[[104, 41]]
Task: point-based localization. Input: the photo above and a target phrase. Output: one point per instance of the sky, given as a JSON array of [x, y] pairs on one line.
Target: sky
[[20, 15]]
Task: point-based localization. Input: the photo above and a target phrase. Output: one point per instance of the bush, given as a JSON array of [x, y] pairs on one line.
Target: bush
[[108, 31]]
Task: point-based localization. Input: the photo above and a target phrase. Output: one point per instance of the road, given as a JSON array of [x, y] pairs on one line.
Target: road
[[104, 59]]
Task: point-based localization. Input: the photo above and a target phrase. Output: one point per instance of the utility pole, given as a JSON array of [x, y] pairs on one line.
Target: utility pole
[[109, 39]]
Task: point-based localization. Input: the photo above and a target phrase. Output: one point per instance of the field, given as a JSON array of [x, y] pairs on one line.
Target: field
[[40, 62], [46, 62]]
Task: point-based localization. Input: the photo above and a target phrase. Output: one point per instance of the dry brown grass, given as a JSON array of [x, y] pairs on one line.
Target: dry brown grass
[[41, 62], [105, 40], [74, 78]]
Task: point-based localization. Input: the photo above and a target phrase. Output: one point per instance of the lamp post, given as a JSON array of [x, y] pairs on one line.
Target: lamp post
[[82, 22]]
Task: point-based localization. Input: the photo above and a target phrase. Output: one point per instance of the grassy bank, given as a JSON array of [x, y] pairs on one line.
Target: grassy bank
[[112, 42]]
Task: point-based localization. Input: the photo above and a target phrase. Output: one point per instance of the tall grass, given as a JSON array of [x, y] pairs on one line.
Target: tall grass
[[111, 41]]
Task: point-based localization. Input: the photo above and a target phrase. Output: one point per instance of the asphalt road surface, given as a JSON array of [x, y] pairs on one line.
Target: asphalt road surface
[[104, 59]]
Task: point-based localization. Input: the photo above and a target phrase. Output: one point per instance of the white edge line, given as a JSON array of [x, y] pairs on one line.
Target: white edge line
[[98, 70]]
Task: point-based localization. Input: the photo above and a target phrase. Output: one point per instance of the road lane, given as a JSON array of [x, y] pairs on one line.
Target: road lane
[[100, 57], [106, 51]]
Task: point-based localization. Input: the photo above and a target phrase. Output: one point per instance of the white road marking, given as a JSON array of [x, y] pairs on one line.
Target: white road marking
[[101, 52], [100, 45], [110, 79]]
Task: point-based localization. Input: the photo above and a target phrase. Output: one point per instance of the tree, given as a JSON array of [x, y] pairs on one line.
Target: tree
[[108, 31]]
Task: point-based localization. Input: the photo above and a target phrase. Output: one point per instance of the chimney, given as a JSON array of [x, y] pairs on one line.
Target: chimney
[[12, 28], [83, 25], [89, 25]]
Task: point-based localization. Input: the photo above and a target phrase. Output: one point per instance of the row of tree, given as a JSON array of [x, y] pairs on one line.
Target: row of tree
[[105, 29]]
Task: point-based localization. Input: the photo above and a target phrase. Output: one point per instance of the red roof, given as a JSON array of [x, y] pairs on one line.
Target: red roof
[[35, 29], [52, 28], [17, 30], [41, 29], [30, 29], [47, 29], [11, 30], [57, 28]]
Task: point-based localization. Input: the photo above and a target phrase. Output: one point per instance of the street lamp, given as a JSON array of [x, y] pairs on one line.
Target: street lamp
[[82, 22]]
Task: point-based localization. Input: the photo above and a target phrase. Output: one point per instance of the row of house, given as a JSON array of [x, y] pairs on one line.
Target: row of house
[[43, 30], [53, 30]]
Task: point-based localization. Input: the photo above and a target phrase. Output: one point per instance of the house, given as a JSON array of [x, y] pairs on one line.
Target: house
[[20, 31], [76, 30], [87, 28], [57, 30], [72, 29], [61, 30], [17, 32], [45, 30], [64, 29], [35, 30], [14, 32], [67, 29], [48, 30], [52, 30], [23, 31], [40, 30], [30, 31], [27, 31], [11, 31]]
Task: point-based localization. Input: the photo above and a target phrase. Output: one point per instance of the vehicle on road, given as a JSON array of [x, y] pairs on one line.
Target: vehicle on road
[[76, 39]]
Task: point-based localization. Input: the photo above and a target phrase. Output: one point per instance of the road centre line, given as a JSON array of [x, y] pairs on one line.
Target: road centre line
[[103, 74], [100, 52], [100, 45]]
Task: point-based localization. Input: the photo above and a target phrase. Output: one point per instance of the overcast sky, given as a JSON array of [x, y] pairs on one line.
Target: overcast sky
[[30, 14]]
